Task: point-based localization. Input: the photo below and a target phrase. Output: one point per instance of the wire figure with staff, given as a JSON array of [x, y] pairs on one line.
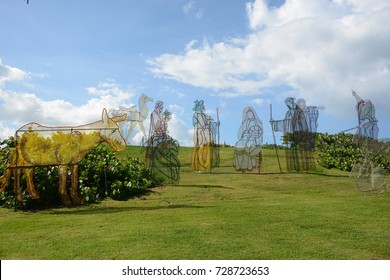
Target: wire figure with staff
[[205, 130], [296, 137], [369, 175]]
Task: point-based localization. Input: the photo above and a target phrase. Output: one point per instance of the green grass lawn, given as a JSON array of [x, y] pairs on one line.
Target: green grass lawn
[[222, 215]]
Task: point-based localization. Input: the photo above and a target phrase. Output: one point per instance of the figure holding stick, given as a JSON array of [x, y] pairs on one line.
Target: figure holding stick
[[204, 138], [295, 137]]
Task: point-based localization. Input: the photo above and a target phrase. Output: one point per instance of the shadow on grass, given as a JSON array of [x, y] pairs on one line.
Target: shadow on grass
[[113, 209], [328, 175], [319, 173], [204, 186]]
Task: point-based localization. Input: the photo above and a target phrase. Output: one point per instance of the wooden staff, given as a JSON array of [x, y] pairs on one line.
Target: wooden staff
[[273, 134], [218, 156]]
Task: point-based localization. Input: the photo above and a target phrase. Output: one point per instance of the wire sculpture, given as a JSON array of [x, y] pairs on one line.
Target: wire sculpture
[[298, 139], [248, 148], [134, 117], [368, 124], [205, 155], [162, 150], [369, 176], [63, 146], [311, 115]]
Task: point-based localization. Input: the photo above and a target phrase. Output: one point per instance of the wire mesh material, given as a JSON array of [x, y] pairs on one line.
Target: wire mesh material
[[162, 150], [134, 117], [369, 176], [62, 146], [298, 128], [205, 155], [247, 150]]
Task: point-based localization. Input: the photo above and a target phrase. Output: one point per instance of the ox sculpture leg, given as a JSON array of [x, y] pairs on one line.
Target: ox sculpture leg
[[4, 179], [62, 175], [29, 174], [16, 172], [17, 189], [74, 185]]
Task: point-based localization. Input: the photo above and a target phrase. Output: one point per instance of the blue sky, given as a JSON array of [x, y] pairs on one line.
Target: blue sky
[[62, 62]]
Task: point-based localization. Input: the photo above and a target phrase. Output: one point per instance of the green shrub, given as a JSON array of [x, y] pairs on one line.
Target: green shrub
[[101, 175], [337, 151], [342, 151]]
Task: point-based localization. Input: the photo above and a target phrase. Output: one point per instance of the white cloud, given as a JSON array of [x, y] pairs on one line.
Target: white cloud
[[319, 49], [177, 109], [190, 9], [257, 13], [9, 73], [258, 101], [178, 130], [216, 66], [18, 108], [172, 90], [5, 131], [198, 14]]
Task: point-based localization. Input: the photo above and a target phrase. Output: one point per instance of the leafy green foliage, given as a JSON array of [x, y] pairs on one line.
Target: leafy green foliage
[[342, 152], [104, 175], [383, 161], [337, 151], [101, 175]]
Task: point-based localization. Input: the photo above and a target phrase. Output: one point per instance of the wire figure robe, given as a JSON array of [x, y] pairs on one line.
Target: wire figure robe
[[296, 137], [162, 150], [248, 148], [368, 124], [368, 175], [311, 115], [204, 156]]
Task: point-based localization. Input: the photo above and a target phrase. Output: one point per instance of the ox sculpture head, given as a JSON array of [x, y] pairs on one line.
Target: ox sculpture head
[[110, 132]]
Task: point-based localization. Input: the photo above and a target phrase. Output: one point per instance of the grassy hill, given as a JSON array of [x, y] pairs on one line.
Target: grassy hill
[[220, 215]]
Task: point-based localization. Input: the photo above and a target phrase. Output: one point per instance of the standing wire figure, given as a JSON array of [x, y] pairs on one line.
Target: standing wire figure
[[311, 115], [295, 137], [157, 122], [248, 148], [162, 150], [368, 124], [369, 176], [203, 157]]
